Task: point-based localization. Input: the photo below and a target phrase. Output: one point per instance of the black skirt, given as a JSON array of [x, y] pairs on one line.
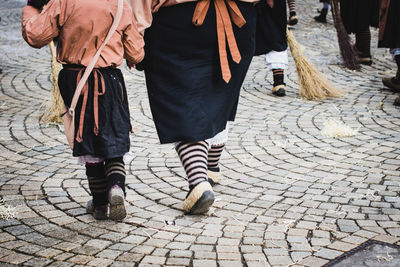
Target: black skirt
[[358, 15], [271, 27], [189, 99], [391, 36], [113, 112]]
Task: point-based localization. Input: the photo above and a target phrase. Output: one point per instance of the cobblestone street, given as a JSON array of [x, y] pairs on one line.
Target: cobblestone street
[[290, 196]]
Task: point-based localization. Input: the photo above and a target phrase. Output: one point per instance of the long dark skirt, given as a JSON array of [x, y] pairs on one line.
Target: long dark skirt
[[114, 120], [189, 99], [357, 15], [271, 27], [391, 36]]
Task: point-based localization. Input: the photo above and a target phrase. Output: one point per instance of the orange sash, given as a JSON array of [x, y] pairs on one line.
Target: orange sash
[[224, 28]]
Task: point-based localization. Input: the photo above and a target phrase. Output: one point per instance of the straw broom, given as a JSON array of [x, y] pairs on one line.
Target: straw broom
[[54, 106], [346, 49], [313, 85]]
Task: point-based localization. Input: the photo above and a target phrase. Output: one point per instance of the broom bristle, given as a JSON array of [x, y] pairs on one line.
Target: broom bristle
[[313, 85], [346, 49], [55, 105]]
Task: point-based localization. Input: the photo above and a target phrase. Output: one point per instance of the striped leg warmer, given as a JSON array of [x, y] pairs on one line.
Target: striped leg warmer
[[193, 156], [97, 183], [214, 155], [278, 76], [292, 7], [115, 172]]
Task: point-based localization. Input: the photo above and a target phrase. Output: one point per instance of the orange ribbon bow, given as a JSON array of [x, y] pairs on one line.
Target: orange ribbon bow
[[224, 28]]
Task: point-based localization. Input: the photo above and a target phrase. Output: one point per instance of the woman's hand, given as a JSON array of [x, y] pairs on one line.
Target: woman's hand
[[270, 3]]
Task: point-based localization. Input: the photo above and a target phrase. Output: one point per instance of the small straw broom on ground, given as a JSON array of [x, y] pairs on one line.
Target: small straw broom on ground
[[346, 49], [313, 85], [55, 105]]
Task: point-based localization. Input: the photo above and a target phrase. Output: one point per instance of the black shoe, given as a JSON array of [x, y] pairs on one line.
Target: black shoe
[[1, 70], [322, 16], [279, 90], [397, 101], [365, 60], [293, 20], [199, 199], [392, 83]]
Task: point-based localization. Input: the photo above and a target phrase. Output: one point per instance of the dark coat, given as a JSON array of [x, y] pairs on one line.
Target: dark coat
[[271, 27], [357, 15], [389, 24], [188, 98]]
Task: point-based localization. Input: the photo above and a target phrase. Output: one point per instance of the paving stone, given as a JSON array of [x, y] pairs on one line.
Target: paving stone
[[279, 260], [15, 258], [313, 261], [342, 246], [327, 253], [178, 261], [200, 263], [153, 260]]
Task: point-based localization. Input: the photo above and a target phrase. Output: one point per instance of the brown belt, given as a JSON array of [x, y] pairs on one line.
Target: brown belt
[[84, 93], [224, 28]]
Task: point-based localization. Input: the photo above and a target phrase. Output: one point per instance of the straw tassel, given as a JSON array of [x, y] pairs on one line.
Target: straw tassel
[[54, 106], [346, 49], [313, 85]]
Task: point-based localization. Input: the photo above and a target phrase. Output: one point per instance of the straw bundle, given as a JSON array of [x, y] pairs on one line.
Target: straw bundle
[[336, 129], [7, 212], [346, 49], [313, 85], [55, 105]]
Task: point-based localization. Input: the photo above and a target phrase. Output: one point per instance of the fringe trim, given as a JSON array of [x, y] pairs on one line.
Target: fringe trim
[[277, 60], [219, 139]]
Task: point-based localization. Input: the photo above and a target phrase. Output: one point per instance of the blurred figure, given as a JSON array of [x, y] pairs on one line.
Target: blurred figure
[[389, 37], [324, 11], [358, 16], [271, 41]]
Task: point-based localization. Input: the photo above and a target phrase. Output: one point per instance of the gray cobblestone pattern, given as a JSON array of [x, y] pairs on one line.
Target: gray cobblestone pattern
[[289, 196]]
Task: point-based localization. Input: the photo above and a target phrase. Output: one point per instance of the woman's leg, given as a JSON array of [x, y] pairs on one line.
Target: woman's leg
[[98, 189], [216, 147], [277, 62], [193, 156], [363, 46], [213, 171], [324, 12], [115, 173]]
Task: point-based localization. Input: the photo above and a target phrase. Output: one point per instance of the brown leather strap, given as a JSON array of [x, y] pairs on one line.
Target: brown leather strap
[[96, 93], [84, 92], [96, 99], [224, 28]]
